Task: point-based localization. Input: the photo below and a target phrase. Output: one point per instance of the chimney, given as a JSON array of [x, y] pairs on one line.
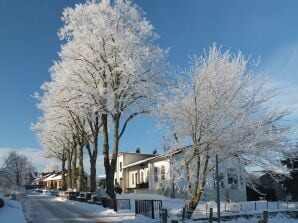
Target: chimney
[[138, 150]]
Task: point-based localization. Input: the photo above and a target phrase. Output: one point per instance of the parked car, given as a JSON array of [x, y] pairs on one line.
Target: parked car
[[54, 192]]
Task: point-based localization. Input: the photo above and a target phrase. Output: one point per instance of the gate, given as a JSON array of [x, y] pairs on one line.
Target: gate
[[148, 208]]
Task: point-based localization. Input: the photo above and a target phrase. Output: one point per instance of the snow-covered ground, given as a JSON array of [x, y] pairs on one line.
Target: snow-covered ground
[[11, 212]]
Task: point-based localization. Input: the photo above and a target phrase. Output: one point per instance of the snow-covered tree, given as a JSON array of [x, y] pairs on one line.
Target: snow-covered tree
[[112, 67], [220, 107], [51, 166], [16, 168]]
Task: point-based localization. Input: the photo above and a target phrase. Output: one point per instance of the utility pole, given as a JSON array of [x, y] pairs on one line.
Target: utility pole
[[172, 176], [217, 190]]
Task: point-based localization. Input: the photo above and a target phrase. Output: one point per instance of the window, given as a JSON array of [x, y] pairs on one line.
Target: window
[[232, 178], [155, 174], [162, 172], [137, 178], [120, 166], [142, 177], [132, 179]]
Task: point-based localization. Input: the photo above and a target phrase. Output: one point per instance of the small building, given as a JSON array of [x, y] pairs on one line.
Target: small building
[[53, 181], [131, 178]]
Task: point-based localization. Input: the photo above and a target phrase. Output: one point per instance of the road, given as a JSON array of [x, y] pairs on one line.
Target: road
[[44, 209]]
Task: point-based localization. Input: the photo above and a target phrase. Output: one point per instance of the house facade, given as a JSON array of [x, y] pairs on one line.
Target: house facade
[[53, 181], [131, 170], [152, 173]]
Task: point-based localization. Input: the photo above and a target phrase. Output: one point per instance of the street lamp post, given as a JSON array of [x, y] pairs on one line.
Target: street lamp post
[[217, 190]]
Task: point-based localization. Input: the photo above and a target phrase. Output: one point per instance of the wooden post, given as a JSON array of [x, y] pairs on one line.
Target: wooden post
[[152, 206], [265, 216], [183, 213], [217, 190], [211, 215], [115, 205]]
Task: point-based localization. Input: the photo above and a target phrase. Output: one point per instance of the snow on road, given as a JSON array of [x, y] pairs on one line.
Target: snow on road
[[43, 208]]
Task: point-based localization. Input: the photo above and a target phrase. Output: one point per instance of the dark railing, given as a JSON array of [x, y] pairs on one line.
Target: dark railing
[[123, 204], [142, 185], [148, 208]]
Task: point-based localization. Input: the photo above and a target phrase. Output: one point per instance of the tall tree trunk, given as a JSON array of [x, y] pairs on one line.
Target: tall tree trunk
[[93, 158], [64, 186], [82, 186], [199, 188], [110, 172], [74, 167], [69, 172], [105, 151]]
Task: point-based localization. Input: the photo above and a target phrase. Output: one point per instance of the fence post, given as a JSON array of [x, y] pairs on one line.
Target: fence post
[[267, 206], [152, 206], [136, 207], [287, 205], [163, 214], [277, 205], [255, 205], [265, 216], [240, 206], [115, 205], [129, 204], [225, 207], [206, 208], [183, 213], [211, 215]]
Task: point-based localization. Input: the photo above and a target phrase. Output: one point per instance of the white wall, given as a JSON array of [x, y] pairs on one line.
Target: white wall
[[153, 184]]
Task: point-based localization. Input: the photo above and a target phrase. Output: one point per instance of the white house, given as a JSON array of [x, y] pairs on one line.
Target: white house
[[152, 173], [131, 178]]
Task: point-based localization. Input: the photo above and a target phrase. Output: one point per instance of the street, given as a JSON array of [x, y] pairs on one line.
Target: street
[[44, 209]]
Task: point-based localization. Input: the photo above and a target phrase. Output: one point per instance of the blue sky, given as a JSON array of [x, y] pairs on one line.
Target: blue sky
[[28, 45]]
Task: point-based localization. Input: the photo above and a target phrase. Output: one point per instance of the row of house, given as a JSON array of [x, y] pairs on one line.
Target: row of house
[[49, 180], [155, 173]]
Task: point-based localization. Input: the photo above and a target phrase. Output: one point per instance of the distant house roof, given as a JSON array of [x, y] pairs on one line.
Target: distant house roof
[[50, 177], [54, 176], [138, 162], [146, 154]]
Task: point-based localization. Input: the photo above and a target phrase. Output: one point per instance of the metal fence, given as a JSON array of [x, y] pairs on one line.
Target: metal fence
[[249, 206], [148, 208], [123, 204]]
